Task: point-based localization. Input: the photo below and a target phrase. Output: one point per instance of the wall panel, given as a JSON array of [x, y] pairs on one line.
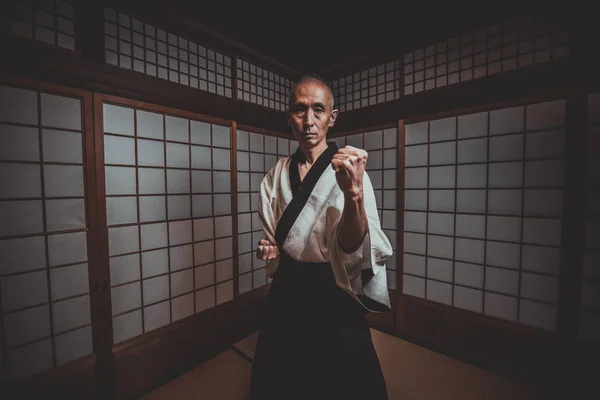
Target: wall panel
[[368, 87], [168, 213], [48, 22], [483, 206], [139, 46], [505, 46], [263, 87], [256, 153], [45, 261]]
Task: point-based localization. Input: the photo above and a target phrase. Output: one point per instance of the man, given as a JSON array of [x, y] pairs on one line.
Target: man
[[326, 253]]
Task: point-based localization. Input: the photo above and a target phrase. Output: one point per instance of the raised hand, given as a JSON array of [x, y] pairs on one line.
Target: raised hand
[[267, 251], [349, 164]]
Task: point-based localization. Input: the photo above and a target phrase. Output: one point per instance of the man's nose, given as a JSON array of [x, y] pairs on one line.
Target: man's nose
[[309, 118]]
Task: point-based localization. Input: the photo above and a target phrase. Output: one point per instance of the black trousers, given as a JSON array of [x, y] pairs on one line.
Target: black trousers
[[313, 341]]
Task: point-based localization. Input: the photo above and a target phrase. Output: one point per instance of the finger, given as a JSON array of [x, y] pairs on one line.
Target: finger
[[261, 252], [350, 148], [264, 255], [337, 165], [342, 167], [348, 152], [354, 158], [348, 164], [265, 242], [360, 153], [340, 155], [272, 252]]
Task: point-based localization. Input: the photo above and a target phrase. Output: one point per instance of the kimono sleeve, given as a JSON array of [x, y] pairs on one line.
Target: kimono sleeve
[[365, 267], [266, 216]]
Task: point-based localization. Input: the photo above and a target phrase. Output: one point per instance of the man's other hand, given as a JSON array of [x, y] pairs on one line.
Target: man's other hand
[[267, 251]]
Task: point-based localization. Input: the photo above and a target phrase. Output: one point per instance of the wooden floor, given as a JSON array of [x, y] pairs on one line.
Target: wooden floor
[[411, 372]]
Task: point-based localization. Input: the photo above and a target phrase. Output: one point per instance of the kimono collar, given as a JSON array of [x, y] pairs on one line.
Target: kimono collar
[[301, 190], [315, 171]]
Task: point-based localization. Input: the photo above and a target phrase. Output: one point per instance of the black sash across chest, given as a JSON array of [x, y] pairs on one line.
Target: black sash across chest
[[301, 190]]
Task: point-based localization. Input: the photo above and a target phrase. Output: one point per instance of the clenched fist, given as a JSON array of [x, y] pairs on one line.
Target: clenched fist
[[267, 251], [349, 164]]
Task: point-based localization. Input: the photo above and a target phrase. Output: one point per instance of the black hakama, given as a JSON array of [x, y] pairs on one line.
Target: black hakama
[[314, 342]]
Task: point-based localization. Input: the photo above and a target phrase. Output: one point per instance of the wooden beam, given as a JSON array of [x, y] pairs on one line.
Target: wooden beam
[[573, 239], [574, 379]]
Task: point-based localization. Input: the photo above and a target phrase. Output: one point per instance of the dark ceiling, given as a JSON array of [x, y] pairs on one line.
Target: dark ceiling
[[314, 36]]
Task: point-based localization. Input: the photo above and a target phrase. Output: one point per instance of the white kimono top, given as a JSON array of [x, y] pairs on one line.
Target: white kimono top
[[311, 223]]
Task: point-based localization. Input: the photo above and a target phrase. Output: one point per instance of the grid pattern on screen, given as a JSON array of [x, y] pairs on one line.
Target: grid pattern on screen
[[260, 86], [499, 48], [43, 242], [256, 154], [589, 317], [483, 205], [49, 21], [168, 204], [382, 166], [368, 87], [142, 47]]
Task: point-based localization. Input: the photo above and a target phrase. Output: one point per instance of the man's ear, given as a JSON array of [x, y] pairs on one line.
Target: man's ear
[[334, 114], [289, 120]]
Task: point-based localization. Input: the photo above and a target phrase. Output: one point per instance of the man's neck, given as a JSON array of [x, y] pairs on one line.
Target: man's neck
[[312, 154]]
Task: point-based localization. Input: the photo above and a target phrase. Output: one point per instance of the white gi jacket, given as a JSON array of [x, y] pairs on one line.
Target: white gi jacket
[[313, 237]]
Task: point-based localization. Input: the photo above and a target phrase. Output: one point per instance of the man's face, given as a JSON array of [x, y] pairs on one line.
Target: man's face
[[310, 114]]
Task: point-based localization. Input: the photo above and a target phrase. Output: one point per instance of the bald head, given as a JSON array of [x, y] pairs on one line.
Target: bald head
[[314, 79]]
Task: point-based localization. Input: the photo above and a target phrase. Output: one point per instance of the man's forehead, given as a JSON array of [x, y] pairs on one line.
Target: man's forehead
[[312, 88]]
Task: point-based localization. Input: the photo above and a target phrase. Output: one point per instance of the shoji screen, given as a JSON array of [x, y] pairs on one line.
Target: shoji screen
[[483, 202], [44, 285], [368, 87], [256, 154], [169, 217], [590, 293], [142, 47], [50, 22], [382, 165], [506, 46], [260, 86]]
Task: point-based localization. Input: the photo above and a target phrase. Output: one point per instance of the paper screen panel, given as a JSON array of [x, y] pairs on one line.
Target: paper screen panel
[[257, 153], [506, 46], [260, 86], [491, 235], [368, 87], [168, 240], [49, 22], [43, 242], [136, 45]]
